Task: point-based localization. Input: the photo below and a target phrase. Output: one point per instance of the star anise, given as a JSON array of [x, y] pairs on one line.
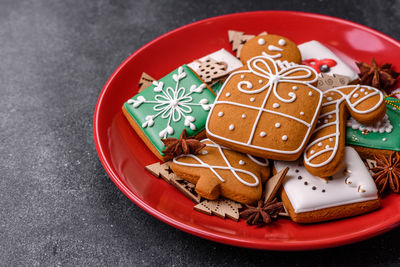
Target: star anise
[[381, 77], [387, 172], [263, 213], [183, 145]]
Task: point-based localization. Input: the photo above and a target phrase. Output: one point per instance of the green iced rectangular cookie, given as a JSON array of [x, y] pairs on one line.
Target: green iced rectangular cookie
[[177, 101]]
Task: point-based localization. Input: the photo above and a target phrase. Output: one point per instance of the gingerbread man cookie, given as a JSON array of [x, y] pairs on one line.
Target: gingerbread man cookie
[[221, 171], [261, 110], [324, 154], [277, 47]]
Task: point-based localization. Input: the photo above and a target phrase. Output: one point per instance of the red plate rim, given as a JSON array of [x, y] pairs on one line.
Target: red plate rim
[[378, 229]]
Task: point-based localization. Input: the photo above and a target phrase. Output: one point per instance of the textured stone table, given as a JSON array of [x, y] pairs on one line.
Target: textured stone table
[[57, 204]]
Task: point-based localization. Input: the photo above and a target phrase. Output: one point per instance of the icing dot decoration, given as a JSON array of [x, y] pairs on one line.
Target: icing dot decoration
[[228, 94], [260, 81], [329, 98], [263, 134], [331, 139], [362, 90], [295, 88], [275, 105], [252, 99], [384, 139], [301, 113], [284, 138], [312, 152], [241, 162], [355, 95], [319, 144], [310, 93], [220, 114], [261, 41], [204, 152], [244, 116], [282, 42], [327, 146], [231, 127], [277, 125]]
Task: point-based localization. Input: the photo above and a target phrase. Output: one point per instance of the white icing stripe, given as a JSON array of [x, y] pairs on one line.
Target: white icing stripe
[[274, 77], [318, 194], [255, 124], [322, 138], [345, 97], [319, 153], [324, 126], [363, 98], [213, 168], [326, 114], [266, 163], [271, 56], [264, 110]]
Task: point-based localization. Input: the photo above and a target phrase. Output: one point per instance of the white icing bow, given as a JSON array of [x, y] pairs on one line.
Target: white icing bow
[[274, 76]]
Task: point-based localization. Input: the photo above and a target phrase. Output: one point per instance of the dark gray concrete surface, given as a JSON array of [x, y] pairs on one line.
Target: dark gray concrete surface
[[57, 204]]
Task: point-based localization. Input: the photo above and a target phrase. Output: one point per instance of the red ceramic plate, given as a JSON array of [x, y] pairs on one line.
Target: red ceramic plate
[[124, 155]]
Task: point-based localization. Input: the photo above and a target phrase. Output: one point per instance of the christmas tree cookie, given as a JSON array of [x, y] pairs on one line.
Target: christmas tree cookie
[[177, 101]]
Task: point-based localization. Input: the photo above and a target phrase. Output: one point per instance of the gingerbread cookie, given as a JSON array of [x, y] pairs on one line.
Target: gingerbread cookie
[[275, 46], [261, 110], [323, 60], [178, 101], [326, 81], [219, 171], [324, 154], [349, 192], [383, 137]]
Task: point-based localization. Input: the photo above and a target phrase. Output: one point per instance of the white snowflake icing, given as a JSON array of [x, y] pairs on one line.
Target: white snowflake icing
[[172, 104]]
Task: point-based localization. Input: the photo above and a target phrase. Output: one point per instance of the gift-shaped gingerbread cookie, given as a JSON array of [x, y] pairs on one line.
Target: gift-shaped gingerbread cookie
[[178, 101], [266, 111], [324, 154], [220, 171]]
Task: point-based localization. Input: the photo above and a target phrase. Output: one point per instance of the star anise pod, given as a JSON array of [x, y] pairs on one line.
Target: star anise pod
[[183, 145], [263, 213], [381, 77], [387, 172]]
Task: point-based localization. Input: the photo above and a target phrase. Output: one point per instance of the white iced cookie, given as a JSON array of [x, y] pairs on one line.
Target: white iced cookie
[[308, 198], [221, 55], [323, 60]]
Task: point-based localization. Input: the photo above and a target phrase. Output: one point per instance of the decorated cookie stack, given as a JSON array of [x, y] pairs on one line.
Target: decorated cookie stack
[[225, 124]]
